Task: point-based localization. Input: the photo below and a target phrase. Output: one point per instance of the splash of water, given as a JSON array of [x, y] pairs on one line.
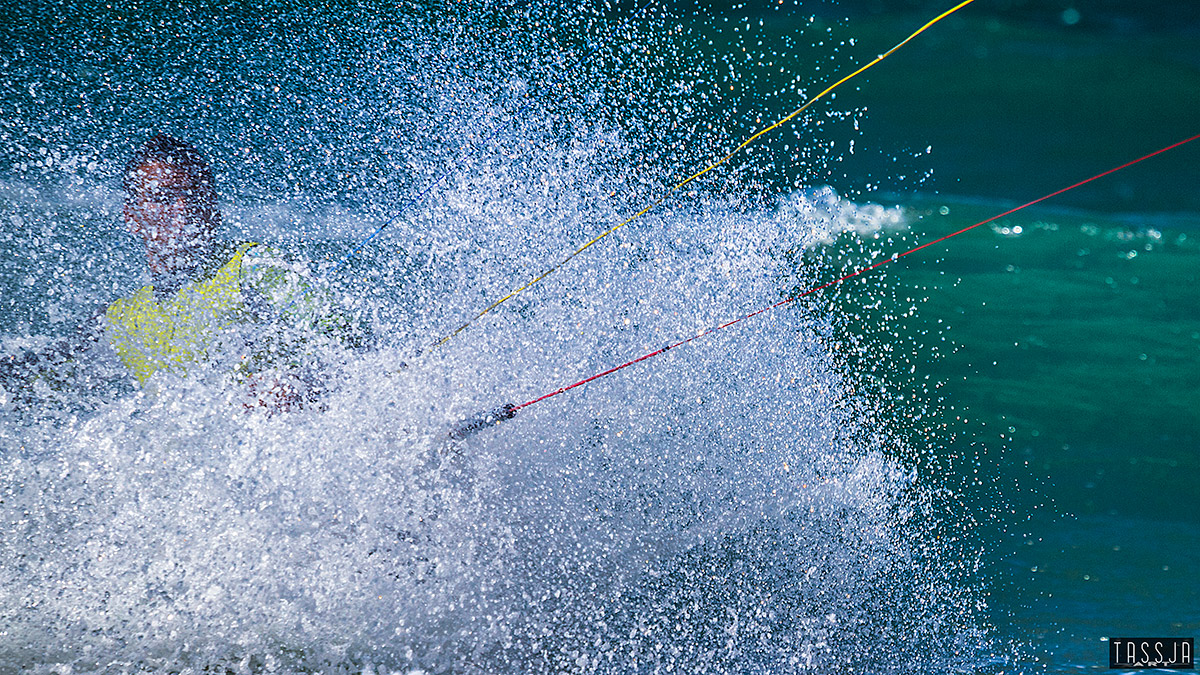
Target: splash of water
[[739, 505]]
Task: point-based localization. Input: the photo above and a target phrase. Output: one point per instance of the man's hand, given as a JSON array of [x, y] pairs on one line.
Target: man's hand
[[275, 391], [478, 423]]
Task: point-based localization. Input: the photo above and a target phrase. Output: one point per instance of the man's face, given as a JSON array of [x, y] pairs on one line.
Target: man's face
[[167, 208]]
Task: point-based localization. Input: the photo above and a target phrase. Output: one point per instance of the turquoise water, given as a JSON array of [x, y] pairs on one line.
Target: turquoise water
[[1065, 343], [1068, 350], [979, 459]]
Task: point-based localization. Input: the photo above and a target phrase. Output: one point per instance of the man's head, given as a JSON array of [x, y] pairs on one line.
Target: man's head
[[170, 201]]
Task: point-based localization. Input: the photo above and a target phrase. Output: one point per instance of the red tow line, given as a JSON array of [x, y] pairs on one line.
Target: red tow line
[[510, 410]]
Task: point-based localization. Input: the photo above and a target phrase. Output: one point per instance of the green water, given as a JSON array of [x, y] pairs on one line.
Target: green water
[[1013, 110], [1061, 362], [1009, 101], [1059, 351], [1078, 339]]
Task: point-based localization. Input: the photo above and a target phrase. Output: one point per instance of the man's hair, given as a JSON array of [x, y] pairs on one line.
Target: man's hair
[[170, 151], [164, 149]]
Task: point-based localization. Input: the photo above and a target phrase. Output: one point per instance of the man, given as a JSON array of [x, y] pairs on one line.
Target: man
[[204, 290], [208, 300]]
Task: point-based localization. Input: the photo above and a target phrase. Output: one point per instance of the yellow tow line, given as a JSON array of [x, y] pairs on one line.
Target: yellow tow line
[[698, 174]]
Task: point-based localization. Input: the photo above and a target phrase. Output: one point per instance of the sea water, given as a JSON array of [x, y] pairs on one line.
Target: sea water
[[910, 473]]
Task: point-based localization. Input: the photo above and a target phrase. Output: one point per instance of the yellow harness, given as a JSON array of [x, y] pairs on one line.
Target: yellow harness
[[150, 336]]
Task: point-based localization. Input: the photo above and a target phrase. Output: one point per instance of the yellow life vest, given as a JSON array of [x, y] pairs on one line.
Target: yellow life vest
[[150, 336]]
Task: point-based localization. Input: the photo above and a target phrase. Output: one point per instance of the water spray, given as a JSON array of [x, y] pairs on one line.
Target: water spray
[[450, 168], [662, 198], [509, 411]]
